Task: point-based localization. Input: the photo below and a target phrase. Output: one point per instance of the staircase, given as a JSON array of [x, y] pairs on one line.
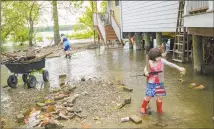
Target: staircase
[[181, 39], [106, 30], [110, 33]]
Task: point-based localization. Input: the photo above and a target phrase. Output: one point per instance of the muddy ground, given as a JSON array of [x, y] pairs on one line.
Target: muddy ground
[[98, 99], [100, 94]]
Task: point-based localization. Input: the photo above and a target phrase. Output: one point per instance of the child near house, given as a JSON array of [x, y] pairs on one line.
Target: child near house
[[155, 82]]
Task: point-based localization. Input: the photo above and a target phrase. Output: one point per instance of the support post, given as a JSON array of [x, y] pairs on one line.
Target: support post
[[197, 53], [158, 39], [147, 42], [130, 42], [138, 39], [94, 37], [147, 45], [143, 41]]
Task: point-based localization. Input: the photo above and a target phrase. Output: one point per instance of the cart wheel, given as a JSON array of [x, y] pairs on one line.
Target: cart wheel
[[24, 77], [45, 75], [31, 81], [12, 81]]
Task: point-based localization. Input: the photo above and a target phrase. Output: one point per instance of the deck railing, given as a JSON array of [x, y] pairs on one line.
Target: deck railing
[[195, 6], [100, 24]]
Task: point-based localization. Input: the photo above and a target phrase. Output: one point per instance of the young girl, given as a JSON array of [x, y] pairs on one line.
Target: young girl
[[155, 84]]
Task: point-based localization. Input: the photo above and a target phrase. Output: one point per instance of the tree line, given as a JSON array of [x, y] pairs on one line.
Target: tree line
[[18, 18]]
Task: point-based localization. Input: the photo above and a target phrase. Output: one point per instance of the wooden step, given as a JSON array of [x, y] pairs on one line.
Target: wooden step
[[110, 32], [178, 43], [180, 35], [111, 36], [179, 52], [177, 60]]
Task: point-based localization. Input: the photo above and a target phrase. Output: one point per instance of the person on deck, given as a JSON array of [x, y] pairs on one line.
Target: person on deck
[[155, 82]]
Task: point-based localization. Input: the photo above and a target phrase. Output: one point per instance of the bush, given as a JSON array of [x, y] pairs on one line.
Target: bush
[[81, 35], [39, 38]]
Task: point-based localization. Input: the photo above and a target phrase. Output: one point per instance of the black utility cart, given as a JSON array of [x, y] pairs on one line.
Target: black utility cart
[[26, 69]]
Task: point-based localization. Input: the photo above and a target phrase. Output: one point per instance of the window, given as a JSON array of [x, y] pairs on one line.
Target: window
[[117, 3]]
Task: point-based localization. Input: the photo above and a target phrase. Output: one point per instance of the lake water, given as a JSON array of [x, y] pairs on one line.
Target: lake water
[[47, 40]]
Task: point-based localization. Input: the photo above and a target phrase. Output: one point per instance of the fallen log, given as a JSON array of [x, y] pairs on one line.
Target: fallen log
[[37, 58]]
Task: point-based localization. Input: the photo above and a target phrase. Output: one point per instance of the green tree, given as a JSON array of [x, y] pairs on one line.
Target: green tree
[[103, 7], [19, 17], [56, 23], [87, 17], [72, 5]]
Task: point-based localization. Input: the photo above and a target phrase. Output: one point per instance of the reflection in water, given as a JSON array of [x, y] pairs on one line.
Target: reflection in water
[[183, 107]]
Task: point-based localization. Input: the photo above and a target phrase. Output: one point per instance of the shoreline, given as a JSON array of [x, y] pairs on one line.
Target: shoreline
[[56, 49]]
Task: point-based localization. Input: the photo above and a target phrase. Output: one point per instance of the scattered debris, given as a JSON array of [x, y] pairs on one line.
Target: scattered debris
[[84, 93], [72, 99], [135, 119], [40, 104], [125, 119], [32, 121], [121, 105], [127, 89], [53, 125], [96, 118], [61, 96], [200, 87], [20, 118], [61, 83], [127, 100], [62, 116], [83, 79], [193, 84], [69, 89], [3, 122], [50, 108], [62, 76], [149, 111], [161, 124], [69, 109], [181, 80]]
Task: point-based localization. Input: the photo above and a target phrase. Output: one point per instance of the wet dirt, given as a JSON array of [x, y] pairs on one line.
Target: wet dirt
[[184, 107]]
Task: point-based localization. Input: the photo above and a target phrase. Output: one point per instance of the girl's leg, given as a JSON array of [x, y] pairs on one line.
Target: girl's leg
[[159, 105], [144, 104]]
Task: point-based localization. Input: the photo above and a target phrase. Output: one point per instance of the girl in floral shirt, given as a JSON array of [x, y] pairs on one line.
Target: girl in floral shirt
[[155, 84]]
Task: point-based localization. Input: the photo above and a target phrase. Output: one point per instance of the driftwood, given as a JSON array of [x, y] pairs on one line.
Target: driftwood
[[38, 58], [13, 57]]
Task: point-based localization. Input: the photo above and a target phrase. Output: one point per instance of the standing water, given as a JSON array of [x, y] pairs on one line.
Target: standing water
[[183, 106]]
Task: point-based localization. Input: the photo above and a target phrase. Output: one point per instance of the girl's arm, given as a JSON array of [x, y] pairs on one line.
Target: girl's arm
[[165, 62], [145, 71]]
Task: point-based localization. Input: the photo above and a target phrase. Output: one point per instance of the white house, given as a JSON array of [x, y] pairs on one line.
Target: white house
[[160, 18]]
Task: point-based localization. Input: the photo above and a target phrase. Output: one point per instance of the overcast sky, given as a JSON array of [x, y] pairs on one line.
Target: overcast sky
[[66, 15]]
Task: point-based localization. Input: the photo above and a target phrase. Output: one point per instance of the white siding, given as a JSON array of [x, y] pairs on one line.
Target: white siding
[[201, 20], [149, 16]]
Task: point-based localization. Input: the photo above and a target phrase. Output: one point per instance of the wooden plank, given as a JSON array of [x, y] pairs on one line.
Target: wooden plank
[[201, 31], [199, 9]]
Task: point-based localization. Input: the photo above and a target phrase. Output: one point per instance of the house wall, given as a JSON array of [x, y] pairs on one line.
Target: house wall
[[199, 20], [149, 16], [116, 10]]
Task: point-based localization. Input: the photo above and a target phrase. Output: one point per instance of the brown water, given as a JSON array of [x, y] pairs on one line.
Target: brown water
[[183, 106]]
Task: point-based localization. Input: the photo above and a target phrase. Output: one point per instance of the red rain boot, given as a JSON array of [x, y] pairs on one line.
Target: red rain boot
[[159, 107], [143, 107]]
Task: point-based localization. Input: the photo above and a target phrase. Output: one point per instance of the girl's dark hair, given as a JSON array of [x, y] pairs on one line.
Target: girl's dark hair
[[154, 53]]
